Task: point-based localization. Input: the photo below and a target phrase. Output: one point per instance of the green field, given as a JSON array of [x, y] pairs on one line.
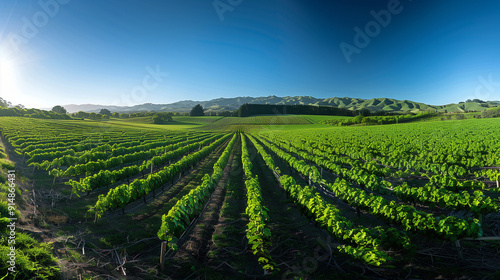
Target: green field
[[226, 123], [237, 198]]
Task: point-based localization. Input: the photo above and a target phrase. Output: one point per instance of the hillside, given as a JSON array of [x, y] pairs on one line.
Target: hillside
[[231, 104]]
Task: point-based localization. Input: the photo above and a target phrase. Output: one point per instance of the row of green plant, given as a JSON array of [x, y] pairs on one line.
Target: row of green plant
[[363, 173], [476, 202], [438, 192], [178, 218], [105, 178], [258, 231], [447, 227], [98, 152], [115, 161], [2, 151], [124, 194], [340, 162], [492, 174], [107, 149], [364, 242], [448, 148], [28, 143], [27, 135]]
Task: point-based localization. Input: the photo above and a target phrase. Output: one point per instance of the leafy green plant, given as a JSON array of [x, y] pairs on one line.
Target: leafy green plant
[[189, 206], [126, 193], [258, 233]]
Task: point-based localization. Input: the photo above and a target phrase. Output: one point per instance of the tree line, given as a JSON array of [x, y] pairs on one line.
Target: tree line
[[246, 110]]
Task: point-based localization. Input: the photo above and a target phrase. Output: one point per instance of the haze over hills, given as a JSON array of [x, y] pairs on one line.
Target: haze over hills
[[231, 104]]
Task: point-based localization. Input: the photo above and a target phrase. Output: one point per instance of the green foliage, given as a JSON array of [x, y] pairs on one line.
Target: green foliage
[[189, 206], [7, 164], [491, 113], [126, 193], [246, 110], [443, 227], [105, 112], [366, 119], [32, 113], [162, 118], [366, 243], [434, 164], [106, 177], [439, 192], [327, 215], [33, 260], [258, 232], [197, 111], [4, 103], [430, 194], [59, 109]]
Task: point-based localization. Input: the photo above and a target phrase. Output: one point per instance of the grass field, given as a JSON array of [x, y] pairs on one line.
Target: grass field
[[317, 118], [300, 168], [253, 122], [146, 122]]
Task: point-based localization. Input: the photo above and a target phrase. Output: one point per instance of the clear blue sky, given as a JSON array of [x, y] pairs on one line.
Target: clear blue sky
[[102, 52]]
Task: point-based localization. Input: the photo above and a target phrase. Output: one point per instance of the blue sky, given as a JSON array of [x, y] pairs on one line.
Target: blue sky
[[131, 52]]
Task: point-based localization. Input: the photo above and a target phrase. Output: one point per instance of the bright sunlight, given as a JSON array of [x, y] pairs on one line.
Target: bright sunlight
[[8, 78]]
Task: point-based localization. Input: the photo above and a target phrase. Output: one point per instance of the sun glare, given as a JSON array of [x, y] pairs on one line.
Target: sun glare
[[8, 77]]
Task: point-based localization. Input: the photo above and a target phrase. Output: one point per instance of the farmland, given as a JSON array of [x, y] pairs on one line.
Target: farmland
[[285, 197]]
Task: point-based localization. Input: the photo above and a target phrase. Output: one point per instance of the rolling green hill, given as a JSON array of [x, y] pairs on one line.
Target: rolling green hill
[[231, 104]]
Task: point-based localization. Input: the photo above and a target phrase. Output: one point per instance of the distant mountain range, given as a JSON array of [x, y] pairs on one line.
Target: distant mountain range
[[231, 104]]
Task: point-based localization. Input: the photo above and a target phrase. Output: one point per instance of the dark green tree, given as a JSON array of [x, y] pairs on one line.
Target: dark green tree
[[197, 111], [160, 118], [225, 114], [59, 109], [4, 103], [364, 112], [82, 114], [105, 112], [243, 111]]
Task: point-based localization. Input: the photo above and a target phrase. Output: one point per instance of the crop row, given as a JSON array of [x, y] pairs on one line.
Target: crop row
[[435, 193], [106, 177], [447, 227], [178, 218], [258, 232], [122, 195]]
